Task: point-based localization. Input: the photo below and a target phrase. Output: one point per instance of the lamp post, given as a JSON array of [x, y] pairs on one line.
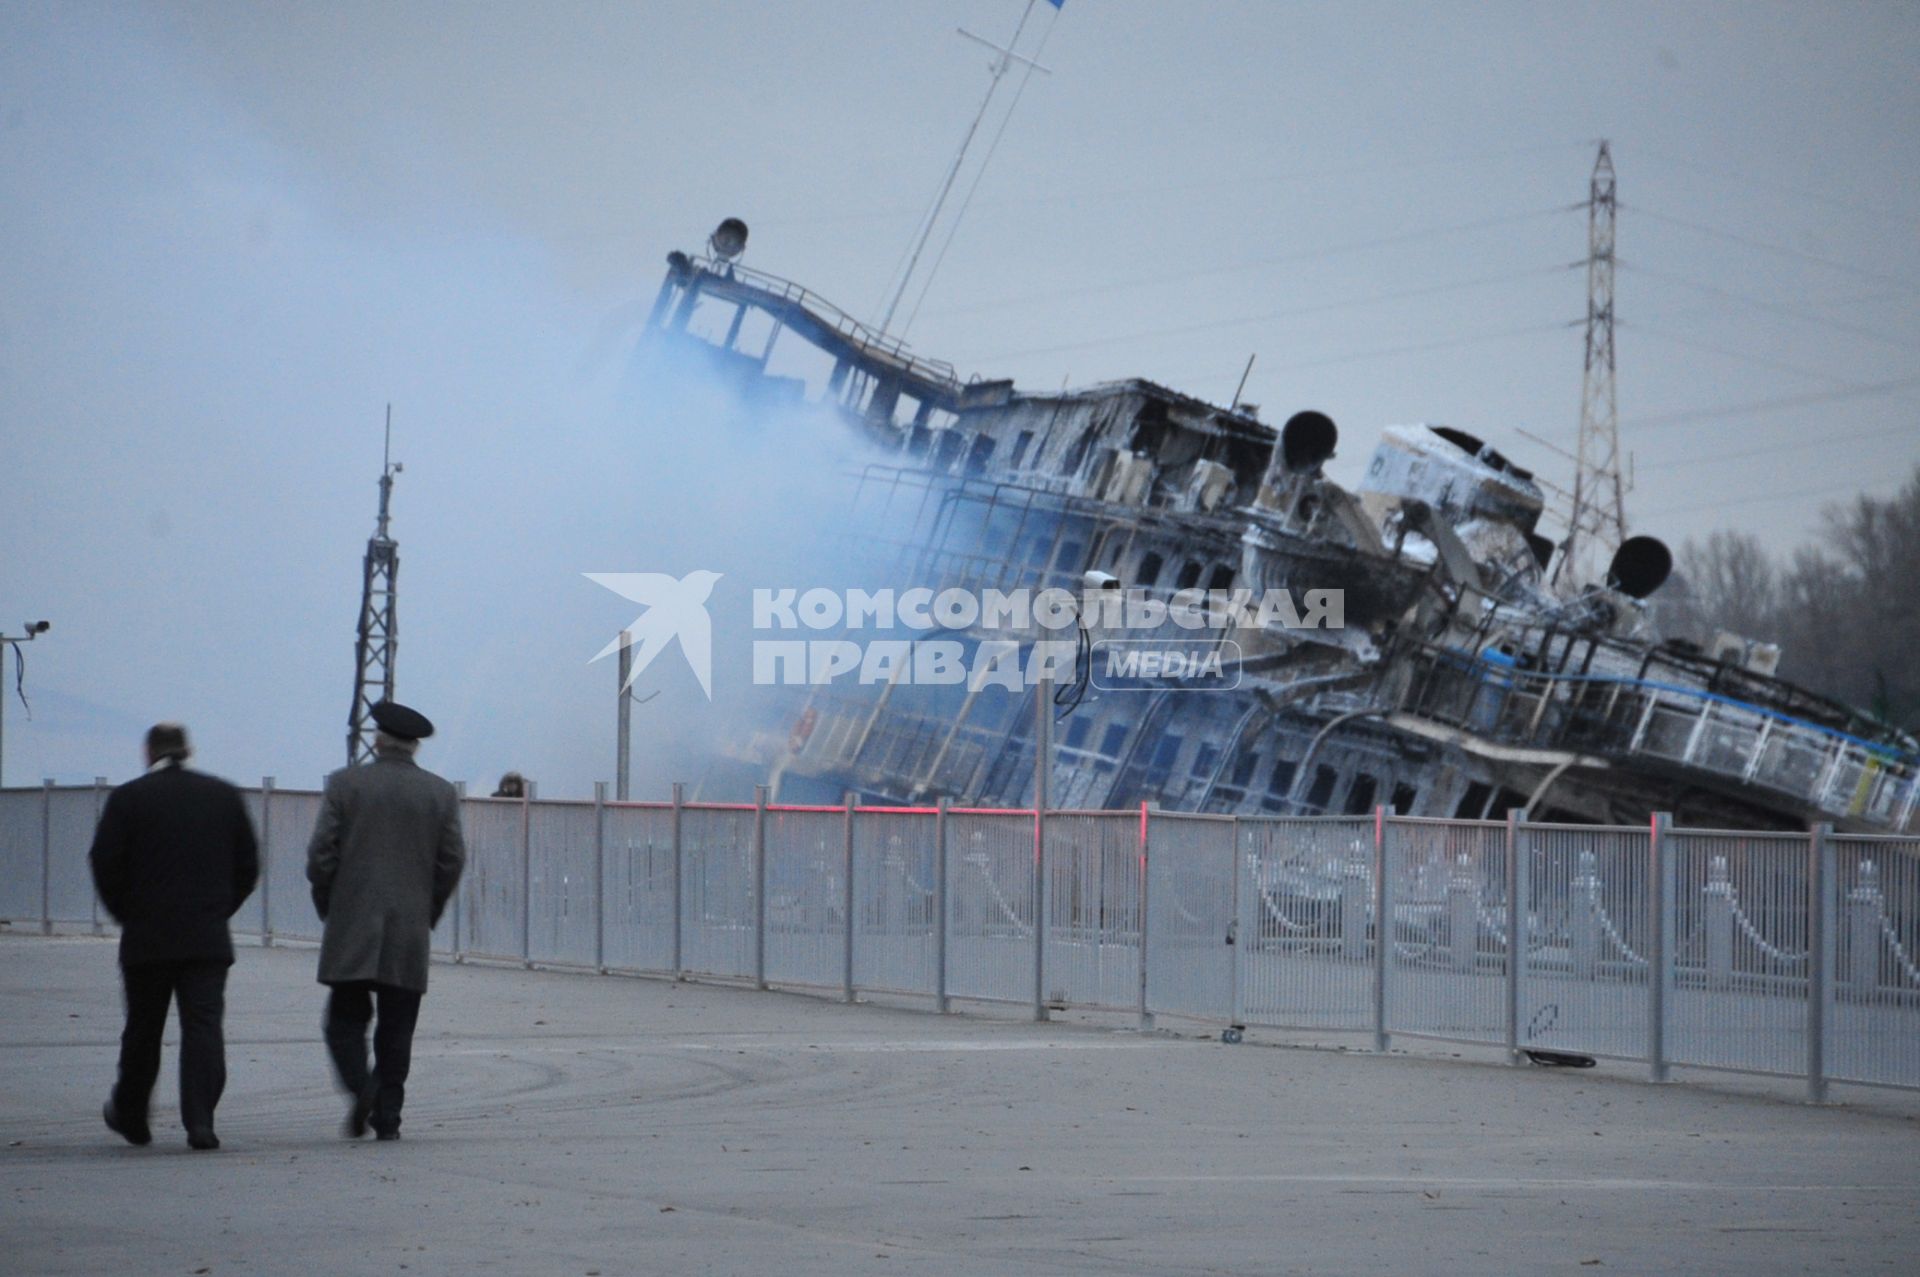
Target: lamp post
[[34, 629]]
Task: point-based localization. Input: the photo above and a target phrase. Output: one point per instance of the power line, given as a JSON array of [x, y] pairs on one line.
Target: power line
[[1780, 249], [1748, 180], [1082, 199], [1267, 316], [1748, 299], [1332, 250], [1385, 351], [1754, 406], [1820, 441], [1741, 355], [1761, 499]]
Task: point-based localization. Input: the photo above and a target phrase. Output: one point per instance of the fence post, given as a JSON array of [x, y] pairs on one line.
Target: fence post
[[679, 885], [459, 888], [526, 879], [940, 906], [1382, 928], [1042, 775], [1146, 912], [266, 862], [99, 802], [46, 856], [759, 886], [846, 902], [1820, 893], [1660, 955], [1039, 890], [1238, 934], [1517, 928], [600, 876]]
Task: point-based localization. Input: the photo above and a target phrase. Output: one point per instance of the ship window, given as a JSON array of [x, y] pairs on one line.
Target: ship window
[[1505, 801], [1204, 758], [1403, 799], [1077, 454], [1243, 769], [918, 441], [1282, 782], [1115, 740], [1320, 793], [1020, 444], [1360, 794], [1150, 564], [981, 453], [1188, 578], [948, 449], [1222, 578], [1473, 802], [1167, 751], [1077, 729], [1069, 557]]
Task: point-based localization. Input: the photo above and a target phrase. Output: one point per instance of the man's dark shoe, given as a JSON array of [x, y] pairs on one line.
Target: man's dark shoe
[[132, 1132], [361, 1110], [386, 1135], [202, 1140]]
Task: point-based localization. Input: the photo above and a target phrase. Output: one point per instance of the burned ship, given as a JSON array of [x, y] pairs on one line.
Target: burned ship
[[1464, 683]]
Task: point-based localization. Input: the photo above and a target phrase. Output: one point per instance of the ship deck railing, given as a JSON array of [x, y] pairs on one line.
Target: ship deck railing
[[1819, 767], [777, 294]]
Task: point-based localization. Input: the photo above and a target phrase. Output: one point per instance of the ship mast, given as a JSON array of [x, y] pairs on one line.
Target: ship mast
[[999, 67]]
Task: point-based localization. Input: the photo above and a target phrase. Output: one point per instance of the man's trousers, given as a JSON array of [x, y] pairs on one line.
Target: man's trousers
[[201, 990]]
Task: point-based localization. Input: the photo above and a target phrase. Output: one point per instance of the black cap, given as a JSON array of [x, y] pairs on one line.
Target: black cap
[[398, 721]]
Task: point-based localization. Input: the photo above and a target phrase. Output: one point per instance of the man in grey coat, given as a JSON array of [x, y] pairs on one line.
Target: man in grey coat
[[384, 859]]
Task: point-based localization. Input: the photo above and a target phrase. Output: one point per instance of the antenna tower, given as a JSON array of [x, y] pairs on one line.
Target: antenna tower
[[378, 640], [1598, 521]]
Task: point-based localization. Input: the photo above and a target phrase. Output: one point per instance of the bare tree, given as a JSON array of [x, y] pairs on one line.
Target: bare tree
[[1846, 613]]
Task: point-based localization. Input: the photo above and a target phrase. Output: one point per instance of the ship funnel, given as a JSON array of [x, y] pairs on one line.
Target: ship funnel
[[1639, 566], [729, 239], [1307, 440]]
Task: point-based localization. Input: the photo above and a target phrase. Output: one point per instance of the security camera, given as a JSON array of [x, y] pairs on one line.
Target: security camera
[[39, 627], [1099, 581]]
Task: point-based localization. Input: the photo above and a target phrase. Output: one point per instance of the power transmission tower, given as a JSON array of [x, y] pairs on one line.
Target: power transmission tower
[[1598, 521], [378, 640]]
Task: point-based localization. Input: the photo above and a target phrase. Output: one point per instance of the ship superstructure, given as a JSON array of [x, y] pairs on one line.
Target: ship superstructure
[[1463, 683]]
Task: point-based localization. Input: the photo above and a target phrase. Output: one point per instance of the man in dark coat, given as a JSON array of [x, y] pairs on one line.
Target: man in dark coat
[[385, 856], [173, 858]]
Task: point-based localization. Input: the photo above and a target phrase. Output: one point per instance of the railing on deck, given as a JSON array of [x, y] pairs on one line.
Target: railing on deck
[[1792, 954], [1748, 744]]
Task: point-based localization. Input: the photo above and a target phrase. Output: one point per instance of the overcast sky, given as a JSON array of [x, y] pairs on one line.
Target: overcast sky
[[231, 233]]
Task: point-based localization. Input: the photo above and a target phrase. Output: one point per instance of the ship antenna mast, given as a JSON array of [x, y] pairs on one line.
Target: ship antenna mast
[[999, 67], [1598, 522], [377, 641]]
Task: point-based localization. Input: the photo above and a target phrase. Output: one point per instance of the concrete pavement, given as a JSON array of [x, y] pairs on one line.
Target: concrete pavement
[[571, 1124]]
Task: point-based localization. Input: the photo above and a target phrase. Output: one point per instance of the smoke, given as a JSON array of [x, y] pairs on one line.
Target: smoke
[[197, 345]]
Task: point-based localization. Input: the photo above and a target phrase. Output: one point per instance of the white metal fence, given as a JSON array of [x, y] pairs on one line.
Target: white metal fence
[[1791, 954]]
